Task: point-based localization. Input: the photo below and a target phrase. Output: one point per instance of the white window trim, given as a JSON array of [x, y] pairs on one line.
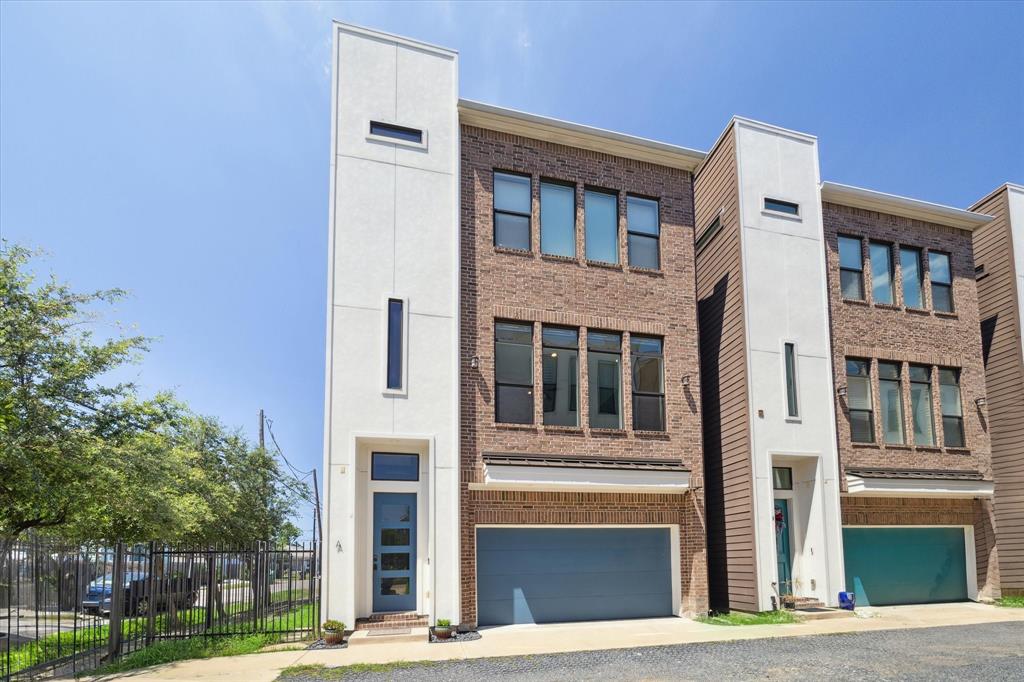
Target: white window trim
[[797, 418], [970, 558], [799, 217], [370, 137], [404, 390]]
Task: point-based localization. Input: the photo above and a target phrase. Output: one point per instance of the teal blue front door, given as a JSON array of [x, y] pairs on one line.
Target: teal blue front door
[[783, 553], [394, 552]]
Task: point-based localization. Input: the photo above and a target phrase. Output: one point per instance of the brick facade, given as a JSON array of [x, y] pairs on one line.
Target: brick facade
[[877, 331], [500, 283]]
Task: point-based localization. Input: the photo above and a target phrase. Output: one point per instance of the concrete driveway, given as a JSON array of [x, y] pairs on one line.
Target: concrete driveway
[[532, 640]]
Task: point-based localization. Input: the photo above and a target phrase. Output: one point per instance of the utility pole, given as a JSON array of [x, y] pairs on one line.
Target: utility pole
[[261, 429]]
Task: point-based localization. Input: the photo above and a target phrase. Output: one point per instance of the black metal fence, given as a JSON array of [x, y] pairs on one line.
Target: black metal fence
[[66, 609]]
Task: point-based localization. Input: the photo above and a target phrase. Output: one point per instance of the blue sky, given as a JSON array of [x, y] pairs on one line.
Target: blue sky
[[180, 150]]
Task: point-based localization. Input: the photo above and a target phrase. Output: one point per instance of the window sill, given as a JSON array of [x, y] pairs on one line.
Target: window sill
[[651, 272], [607, 432], [898, 446], [652, 435], [958, 451], [794, 420], [944, 314], [865, 446], [779, 214], [918, 311], [556, 258], [602, 264], [558, 428], [855, 301], [887, 306], [512, 251], [927, 448], [515, 427]]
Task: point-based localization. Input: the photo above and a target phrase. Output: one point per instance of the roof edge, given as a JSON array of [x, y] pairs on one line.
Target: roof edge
[[555, 130], [393, 38], [858, 197]]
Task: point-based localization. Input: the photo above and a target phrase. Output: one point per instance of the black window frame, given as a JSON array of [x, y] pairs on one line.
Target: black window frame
[[592, 384], [540, 194], [781, 206], [779, 479], [791, 376], [928, 387], [709, 233], [948, 286], [396, 132], [614, 194], [634, 355], [870, 411], [499, 384], [920, 277], [373, 467], [842, 268], [574, 384], [643, 235], [890, 264], [495, 211], [885, 381], [958, 419]]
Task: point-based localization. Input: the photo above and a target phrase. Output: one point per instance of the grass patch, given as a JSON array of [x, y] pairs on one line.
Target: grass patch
[[763, 618], [186, 649], [321, 672], [1011, 602]]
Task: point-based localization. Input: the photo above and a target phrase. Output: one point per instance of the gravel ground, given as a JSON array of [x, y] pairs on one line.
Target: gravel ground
[[971, 652]]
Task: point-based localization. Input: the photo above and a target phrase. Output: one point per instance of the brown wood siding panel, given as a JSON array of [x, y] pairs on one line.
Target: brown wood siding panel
[[731, 561], [1004, 379]]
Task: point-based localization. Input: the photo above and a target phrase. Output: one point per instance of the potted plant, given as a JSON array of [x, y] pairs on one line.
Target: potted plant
[[334, 632], [443, 629]]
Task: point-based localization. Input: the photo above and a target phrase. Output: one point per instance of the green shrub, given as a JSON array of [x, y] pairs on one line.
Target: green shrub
[[333, 626], [443, 623]]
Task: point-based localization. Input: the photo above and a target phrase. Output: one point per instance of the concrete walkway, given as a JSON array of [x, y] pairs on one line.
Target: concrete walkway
[[518, 640]]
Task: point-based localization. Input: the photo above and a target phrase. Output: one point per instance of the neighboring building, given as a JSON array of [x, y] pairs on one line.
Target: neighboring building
[[578, 375], [999, 264]]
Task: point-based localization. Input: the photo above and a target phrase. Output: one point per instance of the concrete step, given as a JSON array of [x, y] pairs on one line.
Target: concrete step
[[821, 613], [388, 636], [377, 621]]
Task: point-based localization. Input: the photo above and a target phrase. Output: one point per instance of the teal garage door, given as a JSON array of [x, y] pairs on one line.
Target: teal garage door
[[549, 575], [905, 565]]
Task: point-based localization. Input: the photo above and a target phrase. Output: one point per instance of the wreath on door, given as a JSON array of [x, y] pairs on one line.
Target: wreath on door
[[780, 521]]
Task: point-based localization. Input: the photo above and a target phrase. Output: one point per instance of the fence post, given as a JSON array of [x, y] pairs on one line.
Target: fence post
[[151, 598], [116, 603], [210, 578]]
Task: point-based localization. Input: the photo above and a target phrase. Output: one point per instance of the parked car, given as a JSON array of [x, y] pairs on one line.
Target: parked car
[[99, 594]]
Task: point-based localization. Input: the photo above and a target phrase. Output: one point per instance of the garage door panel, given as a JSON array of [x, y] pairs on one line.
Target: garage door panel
[[542, 575], [904, 565]]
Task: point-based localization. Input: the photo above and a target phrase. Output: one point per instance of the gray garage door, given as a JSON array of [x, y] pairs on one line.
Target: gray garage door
[[545, 575]]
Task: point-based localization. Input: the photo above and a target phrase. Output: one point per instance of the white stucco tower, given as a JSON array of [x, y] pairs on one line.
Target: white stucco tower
[[391, 405]]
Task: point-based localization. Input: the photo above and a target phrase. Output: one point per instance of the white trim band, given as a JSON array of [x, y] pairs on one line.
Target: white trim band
[[580, 479], [924, 487]]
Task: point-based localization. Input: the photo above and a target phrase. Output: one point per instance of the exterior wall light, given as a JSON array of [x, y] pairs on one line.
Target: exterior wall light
[[686, 380], [980, 402], [474, 362], [841, 391]]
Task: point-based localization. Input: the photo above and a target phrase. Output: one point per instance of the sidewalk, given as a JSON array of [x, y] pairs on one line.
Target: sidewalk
[[518, 640]]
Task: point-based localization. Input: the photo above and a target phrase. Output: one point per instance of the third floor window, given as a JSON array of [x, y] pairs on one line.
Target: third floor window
[[558, 219], [512, 211], [942, 281], [851, 269], [643, 230], [601, 224]]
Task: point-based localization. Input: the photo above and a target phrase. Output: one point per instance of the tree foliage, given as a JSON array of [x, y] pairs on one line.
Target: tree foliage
[[85, 457]]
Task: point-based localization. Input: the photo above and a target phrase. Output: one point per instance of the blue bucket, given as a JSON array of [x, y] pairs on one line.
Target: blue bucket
[[847, 600]]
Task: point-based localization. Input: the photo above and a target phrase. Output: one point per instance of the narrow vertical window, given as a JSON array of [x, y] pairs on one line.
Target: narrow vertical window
[[792, 408], [513, 373], [395, 322], [604, 371], [601, 224], [561, 369], [942, 281], [558, 219], [858, 383], [851, 269], [648, 363], [910, 267], [891, 398], [512, 211], [952, 409], [643, 230], [881, 272], [921, 405]]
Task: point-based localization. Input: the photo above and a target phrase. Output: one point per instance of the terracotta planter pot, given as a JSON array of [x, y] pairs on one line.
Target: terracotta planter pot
[[442, 633], [333, 637]]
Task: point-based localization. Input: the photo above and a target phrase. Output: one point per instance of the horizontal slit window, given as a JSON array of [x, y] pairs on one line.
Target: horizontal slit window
[[396, 132], [780, 206]]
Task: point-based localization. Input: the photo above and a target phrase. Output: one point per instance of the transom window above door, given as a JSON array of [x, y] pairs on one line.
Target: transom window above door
[[389, 466]]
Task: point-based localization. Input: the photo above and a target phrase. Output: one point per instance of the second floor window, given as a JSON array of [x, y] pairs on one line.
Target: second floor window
[[558, 219], [952, 409], [891, 398], [643, 229], [921, 405], [942, 281], [792, 407], [604, 372], [858, 385], [513, 373], [561, 376], [851, 269], [910, 268], [512, 211], [601, 225], [648, 364], [881, 272]]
